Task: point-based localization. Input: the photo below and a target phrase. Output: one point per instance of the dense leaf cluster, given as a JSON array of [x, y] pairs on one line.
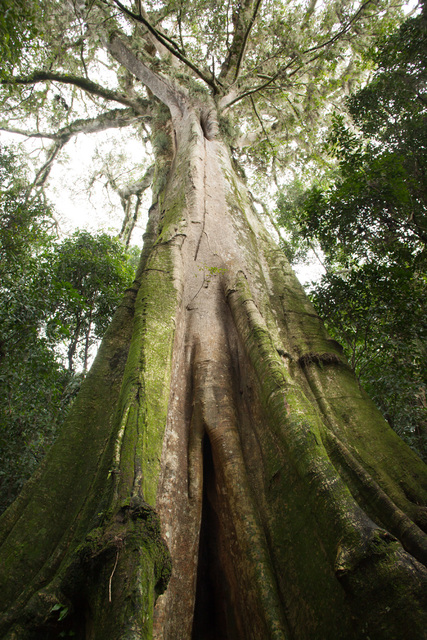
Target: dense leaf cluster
[[378, 312], [18, 28], [379, 203], [371, 224], [56, 299], [86, 276]]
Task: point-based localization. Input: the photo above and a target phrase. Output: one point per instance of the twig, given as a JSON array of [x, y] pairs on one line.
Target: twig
[[262, 125]]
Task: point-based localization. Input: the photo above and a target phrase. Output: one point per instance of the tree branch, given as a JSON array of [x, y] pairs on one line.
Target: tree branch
[[241, 34], [262, 125], [43, 173], [28, 134], [135, 189], [140, 105], [340, 33], [245, 39], [162, 88], [115, 118], [141, 17], [170, 45], [110, 119]]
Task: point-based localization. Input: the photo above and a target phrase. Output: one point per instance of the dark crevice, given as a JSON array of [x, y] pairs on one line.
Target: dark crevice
[[209, 123], [213, 611]]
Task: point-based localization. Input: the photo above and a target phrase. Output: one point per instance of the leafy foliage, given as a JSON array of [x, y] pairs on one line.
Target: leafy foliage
[[17, 30], [371, 223], [297, 245], [379, 202], [25, 228], [378, 205], [378, 313], [85, 276], [54, 297], [31, 378]]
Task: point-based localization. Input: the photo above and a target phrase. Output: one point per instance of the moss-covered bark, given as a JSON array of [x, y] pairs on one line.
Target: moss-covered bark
[[289, 507], [80, 517]]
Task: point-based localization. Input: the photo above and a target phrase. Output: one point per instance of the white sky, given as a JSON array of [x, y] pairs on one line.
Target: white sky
[[100, 208]]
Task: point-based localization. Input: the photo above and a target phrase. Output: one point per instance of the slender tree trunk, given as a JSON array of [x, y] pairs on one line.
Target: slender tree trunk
[[87, 342], [73, 344], [289, 507]]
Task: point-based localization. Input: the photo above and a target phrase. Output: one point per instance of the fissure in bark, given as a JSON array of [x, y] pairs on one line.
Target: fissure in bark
[[289, 508]]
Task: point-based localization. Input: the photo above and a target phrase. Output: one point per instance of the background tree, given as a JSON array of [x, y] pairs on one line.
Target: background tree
[[371, 224], [377, 313], [31, 379], [54, 297], [289, 507], [87, 275]]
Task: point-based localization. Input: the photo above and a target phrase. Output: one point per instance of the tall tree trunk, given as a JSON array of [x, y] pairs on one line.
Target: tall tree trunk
[[289, 507]]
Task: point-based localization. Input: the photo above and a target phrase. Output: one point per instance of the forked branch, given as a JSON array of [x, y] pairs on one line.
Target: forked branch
[[140, 105], [43, 173], [169, 44], [245, 21], [134, 189], [112, 119]]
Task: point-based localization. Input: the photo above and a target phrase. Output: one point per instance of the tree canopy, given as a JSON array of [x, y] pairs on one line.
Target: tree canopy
[[275, 70], [62, 77]]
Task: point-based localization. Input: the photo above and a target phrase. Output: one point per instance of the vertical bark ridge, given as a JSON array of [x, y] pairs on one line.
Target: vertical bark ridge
[[355, 540], [376, 502], [206, 361], [329, 383], [350, 458], [337, 393], [240, 390], [237, 514], [296, 424]]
